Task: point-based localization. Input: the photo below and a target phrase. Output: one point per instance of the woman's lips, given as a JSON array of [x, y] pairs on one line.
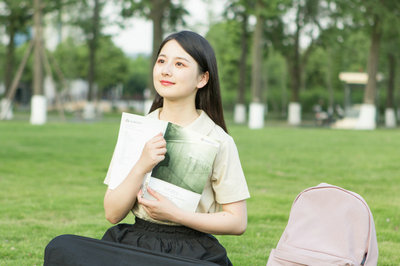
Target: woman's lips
[[166, 83]]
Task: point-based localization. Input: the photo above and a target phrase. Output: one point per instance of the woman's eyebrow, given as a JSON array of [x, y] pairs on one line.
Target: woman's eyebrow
[[182, 58], [178, 57]]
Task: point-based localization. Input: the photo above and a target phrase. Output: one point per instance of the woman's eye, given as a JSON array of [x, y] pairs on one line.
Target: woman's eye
[[179, 64], [161, 61]]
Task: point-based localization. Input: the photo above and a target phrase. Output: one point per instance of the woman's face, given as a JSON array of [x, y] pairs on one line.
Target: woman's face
[[176, 74]]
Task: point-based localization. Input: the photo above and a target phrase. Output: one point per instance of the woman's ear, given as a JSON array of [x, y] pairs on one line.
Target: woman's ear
[[204, 79]]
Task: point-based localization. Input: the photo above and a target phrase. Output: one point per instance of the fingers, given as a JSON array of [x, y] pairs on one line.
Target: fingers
[[149, 204], [158, 141], [158, 146], [153, 152], [147, 210], [139, 194], [157, 196], [154, 193]]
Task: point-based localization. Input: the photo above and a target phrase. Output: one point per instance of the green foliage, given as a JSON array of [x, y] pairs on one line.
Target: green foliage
[[225, 39], [313, 96], [340, 29], [355, 52], [19, 54], [326, 61], [16, 14], [317, 68], [112, 64], [72, 58], [174, 13], [2, 59], [138, 76], [52, 177], [362, 12], [81, 16], [277, 91]]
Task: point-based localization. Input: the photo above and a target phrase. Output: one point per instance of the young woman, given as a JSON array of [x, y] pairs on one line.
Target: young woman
[[185, 77]]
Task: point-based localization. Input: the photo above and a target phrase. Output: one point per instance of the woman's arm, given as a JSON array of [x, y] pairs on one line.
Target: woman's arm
[[119, 201], [232, 220]]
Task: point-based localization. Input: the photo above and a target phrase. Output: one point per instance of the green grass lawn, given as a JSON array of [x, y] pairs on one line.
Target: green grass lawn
[[51, 181]]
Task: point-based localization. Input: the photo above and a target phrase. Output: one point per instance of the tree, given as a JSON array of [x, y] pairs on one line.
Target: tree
[[163, 14], [2, 59], [112, 64], [369, 15], [265, 12], [88, 20], [15, 17], [240, 12], [306, 24], [138, 75], [93, 44], [336, 49], [390, 44], [256, 113], [38, 100], [224, 37], [74, 57]]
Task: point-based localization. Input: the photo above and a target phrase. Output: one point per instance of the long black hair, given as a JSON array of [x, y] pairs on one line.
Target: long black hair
[[208, 98]]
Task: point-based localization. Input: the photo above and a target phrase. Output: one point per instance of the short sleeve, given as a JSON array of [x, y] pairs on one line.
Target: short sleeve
[[228, 180]]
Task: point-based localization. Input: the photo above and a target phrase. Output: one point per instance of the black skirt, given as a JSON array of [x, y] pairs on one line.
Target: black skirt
[[143, 243], [175, 240]]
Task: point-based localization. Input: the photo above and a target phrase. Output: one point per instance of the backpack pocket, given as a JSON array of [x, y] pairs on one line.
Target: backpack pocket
[[299, 257]]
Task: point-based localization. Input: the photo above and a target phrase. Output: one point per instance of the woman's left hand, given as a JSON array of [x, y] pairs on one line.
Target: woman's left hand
[[161, 208]]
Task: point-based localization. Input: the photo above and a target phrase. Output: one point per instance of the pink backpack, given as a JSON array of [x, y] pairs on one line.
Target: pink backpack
[[328, 225]]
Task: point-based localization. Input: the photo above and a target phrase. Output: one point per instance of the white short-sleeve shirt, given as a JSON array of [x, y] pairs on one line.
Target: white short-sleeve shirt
[[227, 182]]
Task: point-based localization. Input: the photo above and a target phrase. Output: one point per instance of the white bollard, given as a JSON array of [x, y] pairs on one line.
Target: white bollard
[[390, 118], [38, 110], [294, 111], [239, 115], [49, 90], [366, 119], [256, 115], [6, 111], [89, 111]]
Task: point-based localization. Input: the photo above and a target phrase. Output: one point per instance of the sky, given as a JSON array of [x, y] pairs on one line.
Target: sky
[[137, 35]]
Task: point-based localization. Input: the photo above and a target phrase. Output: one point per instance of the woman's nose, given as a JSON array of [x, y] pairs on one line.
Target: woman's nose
[[166, 69]]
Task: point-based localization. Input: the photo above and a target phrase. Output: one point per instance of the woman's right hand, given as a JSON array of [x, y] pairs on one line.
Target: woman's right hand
[[119, 202], [153, 152]]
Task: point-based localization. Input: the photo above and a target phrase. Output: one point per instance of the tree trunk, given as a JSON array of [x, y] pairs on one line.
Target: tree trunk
[[390, 88], [9, 64], [256, 80], [243, 61], [295, 69], [92, 49], [329, 81], [373, 59], [38, 100], [367, 116], [37, 62], [158, 8], [256, 109]]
